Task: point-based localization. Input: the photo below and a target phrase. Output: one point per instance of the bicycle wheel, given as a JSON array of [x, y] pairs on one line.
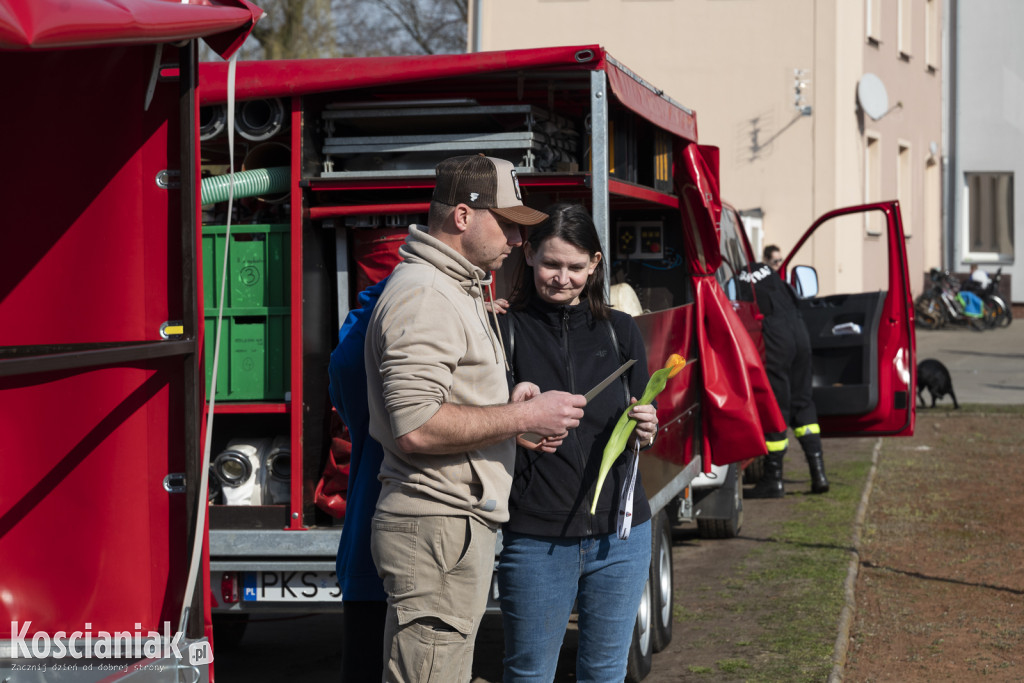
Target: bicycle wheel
[[1000, 313], [929, 311], [1005, 316], [991, 313]]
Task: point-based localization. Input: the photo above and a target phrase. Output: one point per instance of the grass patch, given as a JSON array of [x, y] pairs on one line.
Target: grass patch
[[682, 614], [806, 565], [731, 666]]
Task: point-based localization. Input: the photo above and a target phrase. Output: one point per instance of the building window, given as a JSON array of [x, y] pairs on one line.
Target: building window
[[905, 186], [874, 21], [905, 32], [988, 208], [932, 34], [872, 183]]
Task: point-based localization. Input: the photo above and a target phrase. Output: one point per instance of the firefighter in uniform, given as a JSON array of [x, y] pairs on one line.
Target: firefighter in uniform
[[788, 364]]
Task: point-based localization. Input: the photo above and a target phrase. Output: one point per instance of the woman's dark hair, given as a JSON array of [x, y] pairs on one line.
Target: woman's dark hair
[[573, 224]]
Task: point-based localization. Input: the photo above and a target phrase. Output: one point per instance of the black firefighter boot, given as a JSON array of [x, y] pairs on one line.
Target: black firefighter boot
[[819, 483], [811, 445], [771, 485]]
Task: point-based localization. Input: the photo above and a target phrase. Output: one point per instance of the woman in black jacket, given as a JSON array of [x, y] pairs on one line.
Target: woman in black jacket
[[560, 334]]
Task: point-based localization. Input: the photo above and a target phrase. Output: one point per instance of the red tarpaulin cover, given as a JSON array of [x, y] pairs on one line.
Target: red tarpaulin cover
[[55, 24], [738, 406], [287, 77]]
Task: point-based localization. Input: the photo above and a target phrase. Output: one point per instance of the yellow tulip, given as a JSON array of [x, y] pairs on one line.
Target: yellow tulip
[[624, 427]]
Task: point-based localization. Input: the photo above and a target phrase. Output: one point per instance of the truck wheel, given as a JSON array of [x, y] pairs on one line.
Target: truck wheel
[[754, 472], [228, 630], [726, 527], [661, 582], [640, 650]]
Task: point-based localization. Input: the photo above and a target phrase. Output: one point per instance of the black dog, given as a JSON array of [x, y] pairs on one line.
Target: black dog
[[934, 376]]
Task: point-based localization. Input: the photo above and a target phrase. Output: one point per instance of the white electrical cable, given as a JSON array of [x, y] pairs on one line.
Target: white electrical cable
[[202, 503]]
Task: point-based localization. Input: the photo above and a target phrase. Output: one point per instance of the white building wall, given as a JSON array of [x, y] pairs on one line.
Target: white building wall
[[989, 116], [734, 63]]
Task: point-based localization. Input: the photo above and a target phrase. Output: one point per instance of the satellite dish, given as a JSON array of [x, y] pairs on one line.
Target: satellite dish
[[871, 96]]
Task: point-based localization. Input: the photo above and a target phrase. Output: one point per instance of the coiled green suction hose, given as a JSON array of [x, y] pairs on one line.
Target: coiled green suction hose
[[258, 181]]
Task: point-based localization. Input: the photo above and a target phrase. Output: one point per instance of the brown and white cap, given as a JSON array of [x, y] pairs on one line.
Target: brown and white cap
[[482, 182]]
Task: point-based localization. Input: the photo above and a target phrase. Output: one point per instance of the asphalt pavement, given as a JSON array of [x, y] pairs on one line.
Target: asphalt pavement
[[986, 366]]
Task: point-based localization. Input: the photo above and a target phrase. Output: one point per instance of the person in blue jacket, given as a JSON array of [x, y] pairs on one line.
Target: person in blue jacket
[[362, 592]]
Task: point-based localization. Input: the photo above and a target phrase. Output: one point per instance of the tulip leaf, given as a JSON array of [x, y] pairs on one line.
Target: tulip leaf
[[625, 425]]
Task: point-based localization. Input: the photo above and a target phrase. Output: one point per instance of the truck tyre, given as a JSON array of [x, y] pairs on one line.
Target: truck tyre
[[754, 472], [661, 581], [726, 526], [640, 650]]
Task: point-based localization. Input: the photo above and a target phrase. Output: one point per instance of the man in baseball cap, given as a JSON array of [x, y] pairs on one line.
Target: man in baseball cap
[[484, 183], [441, 409]]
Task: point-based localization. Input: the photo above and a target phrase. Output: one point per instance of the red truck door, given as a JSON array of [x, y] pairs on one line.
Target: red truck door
[[859, 315]]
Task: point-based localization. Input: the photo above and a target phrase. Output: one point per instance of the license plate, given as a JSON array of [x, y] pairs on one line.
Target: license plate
[[284, 586]]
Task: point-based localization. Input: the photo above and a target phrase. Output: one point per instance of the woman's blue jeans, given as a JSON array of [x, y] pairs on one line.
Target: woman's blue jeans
[[539, 580]]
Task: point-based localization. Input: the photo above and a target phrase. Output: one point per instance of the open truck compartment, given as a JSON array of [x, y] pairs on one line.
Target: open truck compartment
[[357, 144], [337, 158]]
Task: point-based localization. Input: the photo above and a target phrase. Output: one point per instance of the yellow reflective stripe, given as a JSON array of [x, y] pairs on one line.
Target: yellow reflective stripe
[[776, 446], [807, 429]]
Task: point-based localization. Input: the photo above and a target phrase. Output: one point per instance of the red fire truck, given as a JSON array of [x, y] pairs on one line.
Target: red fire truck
[[340, 155], [117, 274]]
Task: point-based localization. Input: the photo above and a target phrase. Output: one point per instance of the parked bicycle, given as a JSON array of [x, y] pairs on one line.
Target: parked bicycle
[[996, 312], [944, 303]]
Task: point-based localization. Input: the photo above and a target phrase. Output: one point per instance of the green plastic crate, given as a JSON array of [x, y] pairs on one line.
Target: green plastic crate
[[258, 273], [254, 357]]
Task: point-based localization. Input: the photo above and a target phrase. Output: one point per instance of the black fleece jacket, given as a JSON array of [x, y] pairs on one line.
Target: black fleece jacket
[[564, 348]]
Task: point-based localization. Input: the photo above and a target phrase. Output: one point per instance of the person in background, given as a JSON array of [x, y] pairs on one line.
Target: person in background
[[787, 350], [561, 335], [443, 413], [362, 592]]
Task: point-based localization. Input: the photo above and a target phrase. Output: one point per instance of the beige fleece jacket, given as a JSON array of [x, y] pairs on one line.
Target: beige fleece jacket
[[430, 342]]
